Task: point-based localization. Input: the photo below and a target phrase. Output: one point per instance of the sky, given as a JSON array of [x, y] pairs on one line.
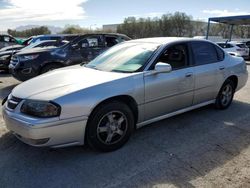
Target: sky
[[95, 13]]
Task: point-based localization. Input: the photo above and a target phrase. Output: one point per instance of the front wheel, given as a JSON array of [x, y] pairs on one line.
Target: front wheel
[[225, 96], [110, 126]]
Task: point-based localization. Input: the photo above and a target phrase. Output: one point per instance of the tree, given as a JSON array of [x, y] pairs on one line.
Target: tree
[[177, 24], [180, 24], [43, 30]]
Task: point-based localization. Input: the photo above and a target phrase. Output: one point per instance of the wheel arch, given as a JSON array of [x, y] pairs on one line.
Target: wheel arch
[[126, 99], [234, 78]]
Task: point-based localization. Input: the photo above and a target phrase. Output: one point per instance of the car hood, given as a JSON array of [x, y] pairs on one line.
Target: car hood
[[9, 48], [6, 53], [35, 50], [63, 81]]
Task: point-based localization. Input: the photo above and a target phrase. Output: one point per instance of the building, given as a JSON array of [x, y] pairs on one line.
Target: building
[[110, 27]]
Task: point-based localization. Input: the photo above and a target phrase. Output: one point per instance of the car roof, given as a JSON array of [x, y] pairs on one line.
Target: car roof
[[165, 40]]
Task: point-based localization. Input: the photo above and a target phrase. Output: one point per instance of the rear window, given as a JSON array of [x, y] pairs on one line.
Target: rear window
[[220, 53], [241, 45], [225, 45]]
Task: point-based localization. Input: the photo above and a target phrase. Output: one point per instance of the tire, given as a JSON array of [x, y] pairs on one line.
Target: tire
[[110, 126], [225, 95], [50, 67], [6, 71]]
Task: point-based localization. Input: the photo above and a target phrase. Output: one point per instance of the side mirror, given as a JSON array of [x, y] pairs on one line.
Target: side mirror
[[162, 68]]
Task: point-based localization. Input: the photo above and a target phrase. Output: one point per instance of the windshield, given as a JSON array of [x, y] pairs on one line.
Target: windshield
[[126, 57], [31, 46]]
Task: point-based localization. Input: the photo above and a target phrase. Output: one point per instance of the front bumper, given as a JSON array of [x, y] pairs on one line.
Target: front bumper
[[22, 74], [60, 133]]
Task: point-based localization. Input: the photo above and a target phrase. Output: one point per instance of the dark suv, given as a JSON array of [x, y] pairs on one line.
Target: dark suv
[[84, 48], [5, 56]]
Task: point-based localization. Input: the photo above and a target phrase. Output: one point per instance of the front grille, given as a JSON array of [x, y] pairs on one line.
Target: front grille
[[13, 102]]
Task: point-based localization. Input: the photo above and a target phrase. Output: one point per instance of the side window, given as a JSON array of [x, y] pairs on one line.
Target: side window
[[220, 53], [12, 39], [176, 56], [90, 42], [204, 53], [111, 41], [6, 39], [45, 44], [44, 38], [229, 45], [223, 45]]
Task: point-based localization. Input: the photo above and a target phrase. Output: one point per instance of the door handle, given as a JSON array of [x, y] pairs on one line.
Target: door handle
[[189, 74], [222, 68]]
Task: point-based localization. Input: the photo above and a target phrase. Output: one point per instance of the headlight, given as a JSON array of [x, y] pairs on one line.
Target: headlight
[[41, 109], [5, 57], [28, 57]]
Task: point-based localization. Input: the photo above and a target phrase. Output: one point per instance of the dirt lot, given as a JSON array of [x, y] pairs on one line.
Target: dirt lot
[[202, 148]]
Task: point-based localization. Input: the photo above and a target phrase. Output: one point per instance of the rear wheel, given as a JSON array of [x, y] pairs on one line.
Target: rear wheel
[[226, 94], [110, 126], [50, 67]]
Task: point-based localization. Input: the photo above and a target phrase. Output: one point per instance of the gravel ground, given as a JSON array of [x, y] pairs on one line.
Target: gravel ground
[[201, 148]]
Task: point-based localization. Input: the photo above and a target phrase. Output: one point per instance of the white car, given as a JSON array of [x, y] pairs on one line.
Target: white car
[[235, 48]]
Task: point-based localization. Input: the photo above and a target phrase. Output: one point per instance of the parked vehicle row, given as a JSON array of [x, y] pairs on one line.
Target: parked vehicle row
[[83, 48], [235, 48], [128, 86]]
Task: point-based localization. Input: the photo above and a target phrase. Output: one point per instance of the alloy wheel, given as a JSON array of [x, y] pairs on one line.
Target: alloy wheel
[[112, 127], [226, 95]]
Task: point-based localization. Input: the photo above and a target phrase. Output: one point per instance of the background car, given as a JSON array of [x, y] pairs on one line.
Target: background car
[[5, 56], [7, 40], [133, 84], [237, 48], [28, 64], [248, 45], [12, 47], [68, 37]]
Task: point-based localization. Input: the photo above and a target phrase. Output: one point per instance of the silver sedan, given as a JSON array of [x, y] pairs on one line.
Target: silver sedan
[[131, 85]]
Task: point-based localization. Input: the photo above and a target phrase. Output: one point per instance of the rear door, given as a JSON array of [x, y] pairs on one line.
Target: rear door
[[91, 47], [208, 70]]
